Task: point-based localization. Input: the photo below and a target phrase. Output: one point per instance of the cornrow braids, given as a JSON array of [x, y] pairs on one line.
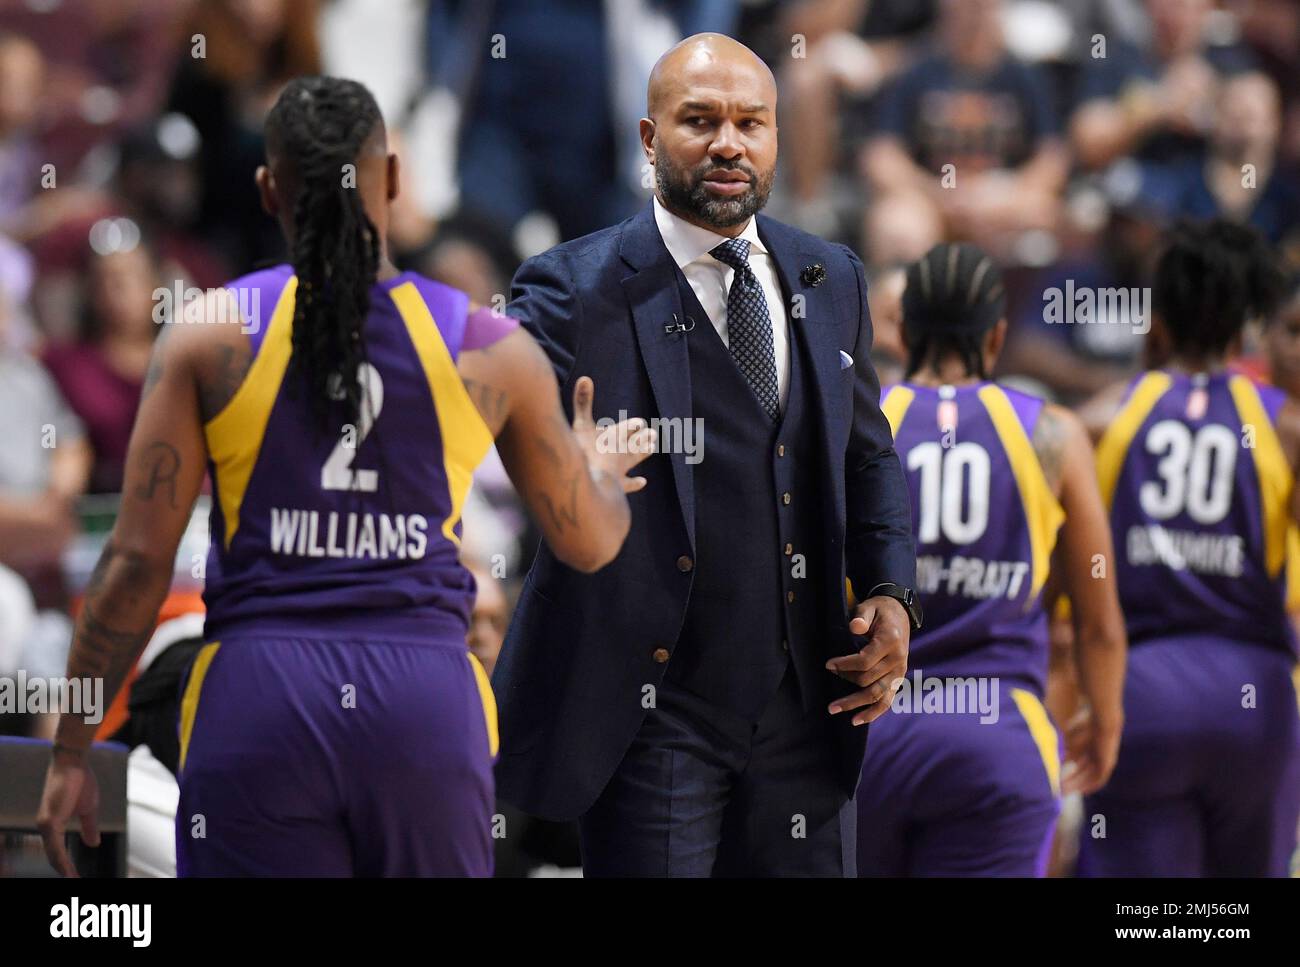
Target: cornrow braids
[[317, 127], [1211, 278], [954, 295]]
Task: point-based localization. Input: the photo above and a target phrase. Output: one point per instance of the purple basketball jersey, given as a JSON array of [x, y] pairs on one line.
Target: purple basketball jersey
[[1199, 495], [345, 529], [985, 522]]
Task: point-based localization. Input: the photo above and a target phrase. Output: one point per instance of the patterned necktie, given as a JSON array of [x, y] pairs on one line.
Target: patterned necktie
[[749, 327]]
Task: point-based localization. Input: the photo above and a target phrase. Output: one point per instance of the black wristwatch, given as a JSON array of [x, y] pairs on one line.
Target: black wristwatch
[[904, 596]]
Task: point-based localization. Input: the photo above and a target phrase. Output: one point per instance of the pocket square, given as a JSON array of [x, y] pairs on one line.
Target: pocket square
[[845, 360]]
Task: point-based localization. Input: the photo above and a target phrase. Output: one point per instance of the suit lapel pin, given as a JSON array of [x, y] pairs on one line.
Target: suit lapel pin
[[814, 274]]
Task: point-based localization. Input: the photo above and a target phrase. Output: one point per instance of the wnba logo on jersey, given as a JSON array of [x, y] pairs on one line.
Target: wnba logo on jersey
[[240, 305]]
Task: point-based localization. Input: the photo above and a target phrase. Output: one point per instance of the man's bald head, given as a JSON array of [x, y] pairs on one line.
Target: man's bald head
[[705, 58], [711, 131]]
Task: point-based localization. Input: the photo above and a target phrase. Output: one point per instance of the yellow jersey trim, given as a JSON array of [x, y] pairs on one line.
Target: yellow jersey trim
[[466, 439], [1292, 568], [1043, 733], [1043, 511], [489, 701], [1275, 478], [895, 405], [234, 436], [190, 701], [1119, 435]]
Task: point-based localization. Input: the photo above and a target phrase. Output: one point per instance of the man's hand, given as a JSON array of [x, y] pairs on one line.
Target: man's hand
[[880, 664], [70, 789], [1091, 750], [613, 450]]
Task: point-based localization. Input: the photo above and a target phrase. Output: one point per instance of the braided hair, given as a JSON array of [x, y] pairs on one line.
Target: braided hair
[[315, 130], [954, 296], [1211, 278]]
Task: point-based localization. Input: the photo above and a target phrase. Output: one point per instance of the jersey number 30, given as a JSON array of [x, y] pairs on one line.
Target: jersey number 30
[[1195, 472]]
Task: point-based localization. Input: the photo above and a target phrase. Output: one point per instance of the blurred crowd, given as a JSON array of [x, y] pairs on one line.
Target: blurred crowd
[[1062, 137]]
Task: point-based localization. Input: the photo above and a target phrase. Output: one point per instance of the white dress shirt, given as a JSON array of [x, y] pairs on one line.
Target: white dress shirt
[[689, 245]]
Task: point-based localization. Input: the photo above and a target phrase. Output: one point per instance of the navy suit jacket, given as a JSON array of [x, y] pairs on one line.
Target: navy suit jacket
[[578, 664]]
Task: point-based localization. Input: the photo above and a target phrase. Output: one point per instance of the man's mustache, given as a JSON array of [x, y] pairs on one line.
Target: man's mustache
[[706, 172]]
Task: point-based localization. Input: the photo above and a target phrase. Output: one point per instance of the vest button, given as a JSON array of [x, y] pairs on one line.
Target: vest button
[[660, 655], [789, 549], [785, 497], [780, 449], [789, 597], [684, 563]]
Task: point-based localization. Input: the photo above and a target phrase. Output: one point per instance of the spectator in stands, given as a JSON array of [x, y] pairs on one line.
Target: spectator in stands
[[848, 48], [1156, 102], [1282, 343], [108, 64], [1238, 176], [250, 50], [1076, 359], [44, 465], [103, 373], [539, 133], [972, 131], [22, 73], [487, 623], [157, 185], [885, 300], [900, 227]]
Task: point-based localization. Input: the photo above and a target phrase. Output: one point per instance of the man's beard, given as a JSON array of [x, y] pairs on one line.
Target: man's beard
[[685, 191]]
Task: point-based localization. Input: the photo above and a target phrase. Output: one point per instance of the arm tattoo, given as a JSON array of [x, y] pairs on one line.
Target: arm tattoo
[[564, 510], [221, 377], [1049, 444], [490, 400], [125, 589], [164, 462], [107, 652]]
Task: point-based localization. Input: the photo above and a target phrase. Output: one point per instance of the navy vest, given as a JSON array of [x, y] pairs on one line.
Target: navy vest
[[757, 569]]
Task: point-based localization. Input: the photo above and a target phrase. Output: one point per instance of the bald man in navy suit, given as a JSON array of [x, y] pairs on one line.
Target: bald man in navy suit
[[700, 705]]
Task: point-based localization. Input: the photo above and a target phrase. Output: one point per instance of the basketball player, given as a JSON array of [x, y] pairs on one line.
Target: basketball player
[[1197, 467], [963, 777], [335, 722], [1282, 342]]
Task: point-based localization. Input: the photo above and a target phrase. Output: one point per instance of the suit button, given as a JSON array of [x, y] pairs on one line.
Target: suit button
[[780, 449], [785, 645], [789, 597], [684, 563], [785, 497], [789, 549], [661, 655]]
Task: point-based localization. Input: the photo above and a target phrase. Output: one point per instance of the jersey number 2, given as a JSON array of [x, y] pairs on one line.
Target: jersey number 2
[[337, 473]]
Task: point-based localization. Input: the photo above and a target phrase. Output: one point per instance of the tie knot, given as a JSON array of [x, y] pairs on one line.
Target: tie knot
[[733, 252]]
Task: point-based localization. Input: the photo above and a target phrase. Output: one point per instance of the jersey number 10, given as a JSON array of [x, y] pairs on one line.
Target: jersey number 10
[[953, 480]]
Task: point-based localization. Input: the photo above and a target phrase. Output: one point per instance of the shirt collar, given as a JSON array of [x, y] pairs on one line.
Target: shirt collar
[[688, 243]]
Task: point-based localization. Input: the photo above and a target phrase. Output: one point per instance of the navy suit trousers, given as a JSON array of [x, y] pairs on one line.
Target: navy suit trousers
[[703, 792]]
